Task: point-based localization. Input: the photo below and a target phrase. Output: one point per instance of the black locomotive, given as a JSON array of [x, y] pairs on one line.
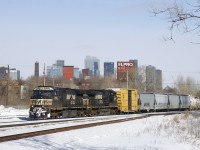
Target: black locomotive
[[53, 102]]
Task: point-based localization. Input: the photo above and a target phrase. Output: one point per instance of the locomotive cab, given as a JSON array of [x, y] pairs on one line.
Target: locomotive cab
[[41, 99]]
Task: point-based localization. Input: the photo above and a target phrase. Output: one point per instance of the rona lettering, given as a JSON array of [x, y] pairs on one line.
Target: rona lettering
[[125, 64]]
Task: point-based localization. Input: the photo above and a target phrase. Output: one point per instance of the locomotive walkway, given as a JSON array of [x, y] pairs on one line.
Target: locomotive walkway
[[63, 129]]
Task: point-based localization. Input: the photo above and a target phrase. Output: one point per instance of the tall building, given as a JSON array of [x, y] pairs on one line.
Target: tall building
[[36, 69], [150, 78], [85, 73], [3, 73], [153, 79], [159, 80], [14, 74], [93, 64], [68, 72], [108, 69], [135, 61], [56, 70], [124, 68], [76, 73], [60, 63]]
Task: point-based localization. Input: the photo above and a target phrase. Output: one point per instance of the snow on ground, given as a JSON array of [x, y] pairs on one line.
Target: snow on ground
[[10, 114], [181, 132], [10, 111]]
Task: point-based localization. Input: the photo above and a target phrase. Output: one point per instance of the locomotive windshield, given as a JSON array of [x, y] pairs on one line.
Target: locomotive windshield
[[47, 92], [43, 91]]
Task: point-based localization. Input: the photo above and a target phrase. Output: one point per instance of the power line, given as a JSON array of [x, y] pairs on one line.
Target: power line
[[181, 72]]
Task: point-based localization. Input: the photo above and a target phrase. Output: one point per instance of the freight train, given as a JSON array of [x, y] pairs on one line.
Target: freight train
[[54, 102]]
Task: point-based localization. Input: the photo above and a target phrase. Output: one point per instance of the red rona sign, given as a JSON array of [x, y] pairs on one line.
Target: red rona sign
[[124, 66]]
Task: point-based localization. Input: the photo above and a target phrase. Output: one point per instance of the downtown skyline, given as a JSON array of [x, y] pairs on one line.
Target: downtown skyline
[[45, 31]]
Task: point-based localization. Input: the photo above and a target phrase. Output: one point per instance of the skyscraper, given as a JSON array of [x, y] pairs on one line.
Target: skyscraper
[[60, 63], [6, 72], [36, 69], [93, 64], [108, 69], [3, 73], [135, 61], [56, 70], [159, 80], [153, 79], [85, 73], [76, 73], [150, 78], [14, 74]]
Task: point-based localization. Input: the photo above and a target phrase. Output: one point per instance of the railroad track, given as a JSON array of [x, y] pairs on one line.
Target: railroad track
[[52, 121], [14, 116], [37, 123], [9, 122], [62, 129]]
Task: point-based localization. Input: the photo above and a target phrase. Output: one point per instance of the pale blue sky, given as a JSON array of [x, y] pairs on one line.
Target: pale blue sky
[[112, 30]]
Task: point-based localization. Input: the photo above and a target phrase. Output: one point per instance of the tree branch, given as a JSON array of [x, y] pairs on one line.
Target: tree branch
[[184, 19]]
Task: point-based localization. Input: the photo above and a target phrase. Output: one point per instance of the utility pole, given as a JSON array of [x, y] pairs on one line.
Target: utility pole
[[53, 81], [44, 75], [8, 80], [127, 79]]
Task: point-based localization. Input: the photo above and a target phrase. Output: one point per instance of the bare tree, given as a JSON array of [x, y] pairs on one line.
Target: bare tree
[[186, 86], [140, 79], [185, 17]]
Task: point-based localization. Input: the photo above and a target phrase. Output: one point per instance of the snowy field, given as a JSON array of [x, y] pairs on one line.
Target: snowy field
[[181, 132]]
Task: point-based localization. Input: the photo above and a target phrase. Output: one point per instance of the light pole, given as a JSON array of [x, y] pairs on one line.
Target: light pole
[[8, 79]]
